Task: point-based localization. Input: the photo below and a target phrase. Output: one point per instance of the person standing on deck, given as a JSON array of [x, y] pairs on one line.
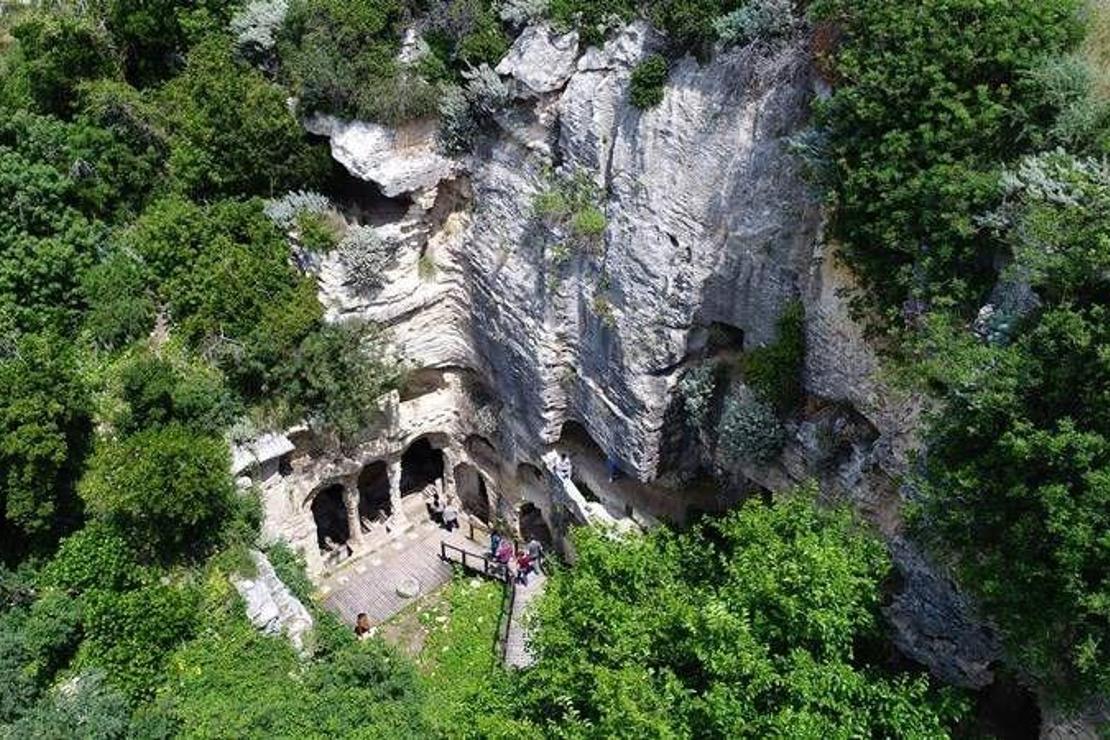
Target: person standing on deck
[[450, 516], [535, 552]]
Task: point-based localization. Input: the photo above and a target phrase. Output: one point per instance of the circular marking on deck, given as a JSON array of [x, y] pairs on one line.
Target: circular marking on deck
[[408, 587]]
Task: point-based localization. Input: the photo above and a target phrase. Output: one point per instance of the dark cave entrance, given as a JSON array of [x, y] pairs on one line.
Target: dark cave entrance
[[473, 495], [361, 200], [373, 491], [330, 514], [421, 465], [532, 525]]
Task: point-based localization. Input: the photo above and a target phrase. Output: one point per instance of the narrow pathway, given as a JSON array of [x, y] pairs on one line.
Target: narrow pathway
[[517, 654]]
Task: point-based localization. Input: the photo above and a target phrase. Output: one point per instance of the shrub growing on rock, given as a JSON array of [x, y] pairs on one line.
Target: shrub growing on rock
[[365, 256], [749, 431], [646, 86], [758, 20]]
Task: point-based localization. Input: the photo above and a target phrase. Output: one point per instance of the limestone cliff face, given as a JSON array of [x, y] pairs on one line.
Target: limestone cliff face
[[709, 226], [708, 221]]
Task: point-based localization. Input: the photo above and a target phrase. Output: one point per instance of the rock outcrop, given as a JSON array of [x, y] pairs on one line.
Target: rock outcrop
[[541, 60], [271, 606]]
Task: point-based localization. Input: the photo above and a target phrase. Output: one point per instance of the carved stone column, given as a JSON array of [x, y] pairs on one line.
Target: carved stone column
[[449, 460], [350, 499], [395, 490]]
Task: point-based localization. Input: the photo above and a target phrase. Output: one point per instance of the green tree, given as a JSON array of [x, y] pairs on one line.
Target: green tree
[[755, 625], [1018, 491], [168, 486], [231, 132], [120, 306], [44, 430], [337, 376], [55, 53], [925, 110], [156, 391]]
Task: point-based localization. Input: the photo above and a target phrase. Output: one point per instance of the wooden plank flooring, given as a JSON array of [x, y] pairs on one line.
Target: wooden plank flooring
[[369, 584]]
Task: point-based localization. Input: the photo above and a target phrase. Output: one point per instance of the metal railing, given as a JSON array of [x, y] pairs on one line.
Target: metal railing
[[505, 624], [473, 561]]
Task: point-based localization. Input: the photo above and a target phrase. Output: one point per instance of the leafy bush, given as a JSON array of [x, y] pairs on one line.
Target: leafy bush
[[1054, 219], [749, 431], [168, 485], [231, 132], [256, 26], [153, 35], [365, 256], [120, 306], [647, 83], [87, 701], [44, 427], [285, 211], [458, 124], [463, 110], [757, 624], [697, 386], [758, 20], [156, 392], [339, 57], [337, 375], [929, 107], [775, 371], [95, 557], [56, 53], [129, 634]]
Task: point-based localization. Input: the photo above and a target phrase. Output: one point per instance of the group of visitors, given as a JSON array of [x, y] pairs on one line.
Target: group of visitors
[[445, 515], [518, 563]]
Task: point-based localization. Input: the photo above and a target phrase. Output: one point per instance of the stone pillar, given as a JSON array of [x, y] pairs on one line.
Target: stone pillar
[[449, 460], [350, 499], [395, 490]]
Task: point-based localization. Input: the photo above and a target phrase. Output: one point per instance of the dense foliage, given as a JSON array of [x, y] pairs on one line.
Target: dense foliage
[[963, 142], [761, 624], [934, 103], [150, 298]]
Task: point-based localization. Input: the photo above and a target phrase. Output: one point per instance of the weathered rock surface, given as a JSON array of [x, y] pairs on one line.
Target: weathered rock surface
[[540, 59], [271, 606], [399, 160]]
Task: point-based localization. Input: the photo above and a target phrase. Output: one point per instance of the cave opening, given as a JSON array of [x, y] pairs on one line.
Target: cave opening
[[421, 465], [473, 494], [373, 491], [361, 200], [330, 514], [533, 526]]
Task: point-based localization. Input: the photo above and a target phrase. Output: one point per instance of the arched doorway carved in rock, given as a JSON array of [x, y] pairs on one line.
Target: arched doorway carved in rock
[[373, 491], [421, 464], [330, 514], [532, 525], [473, 494]]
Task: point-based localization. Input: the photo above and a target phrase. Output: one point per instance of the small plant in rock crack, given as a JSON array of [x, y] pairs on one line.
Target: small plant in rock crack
[[604, 310], [571, 206]]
